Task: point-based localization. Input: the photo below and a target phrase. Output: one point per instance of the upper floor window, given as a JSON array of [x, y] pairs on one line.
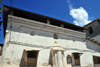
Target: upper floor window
[[32, 33], [55, 36], [90, 30]]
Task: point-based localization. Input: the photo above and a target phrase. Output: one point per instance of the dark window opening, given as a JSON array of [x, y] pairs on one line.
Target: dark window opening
[[90, 30], [96, 60], [32, 33], [55, 23], [44, 20], [30, 16], [1, 51], [32, 54], [76, 55], [55, 36]]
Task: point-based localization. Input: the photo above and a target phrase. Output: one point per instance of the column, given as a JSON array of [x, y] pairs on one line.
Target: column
[[56, 59], [64, 60], [53, 58], [60, 63]]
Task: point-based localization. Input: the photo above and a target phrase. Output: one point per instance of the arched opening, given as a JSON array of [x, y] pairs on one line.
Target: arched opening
[[69, 59], [55, 36]]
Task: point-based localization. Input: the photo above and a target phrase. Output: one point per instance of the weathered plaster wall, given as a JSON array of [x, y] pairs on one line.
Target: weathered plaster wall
[[18, 39], [97, 65], [96, 33], [92, 46]]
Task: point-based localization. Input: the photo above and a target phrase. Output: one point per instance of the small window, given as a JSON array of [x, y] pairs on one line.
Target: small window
[[69, 59], [32, 33], [55, 36], [76, 55], [90, 30]]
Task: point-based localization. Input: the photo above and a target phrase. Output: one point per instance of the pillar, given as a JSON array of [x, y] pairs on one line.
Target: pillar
[[56, 64], [60, 63], [53, 59]]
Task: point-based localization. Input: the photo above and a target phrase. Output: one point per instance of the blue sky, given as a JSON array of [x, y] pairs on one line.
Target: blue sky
[[78, 12]]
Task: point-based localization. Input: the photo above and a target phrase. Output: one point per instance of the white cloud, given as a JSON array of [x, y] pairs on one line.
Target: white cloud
[[70, 5], [80, 15]]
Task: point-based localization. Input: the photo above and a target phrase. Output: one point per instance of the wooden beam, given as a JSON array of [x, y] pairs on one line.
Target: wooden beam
[[48, 21]]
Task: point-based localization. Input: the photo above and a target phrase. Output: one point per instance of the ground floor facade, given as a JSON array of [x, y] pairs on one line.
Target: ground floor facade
[[16, 55]]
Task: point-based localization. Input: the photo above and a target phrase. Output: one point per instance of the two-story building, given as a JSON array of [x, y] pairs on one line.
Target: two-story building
[[34, 40]]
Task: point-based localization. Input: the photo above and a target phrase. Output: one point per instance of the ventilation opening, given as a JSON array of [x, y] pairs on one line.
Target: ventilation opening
[[90, 30], [55, 23], [55, 36]]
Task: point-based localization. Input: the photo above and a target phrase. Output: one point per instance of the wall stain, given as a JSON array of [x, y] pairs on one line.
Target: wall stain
[[8, 62], [45, 64]]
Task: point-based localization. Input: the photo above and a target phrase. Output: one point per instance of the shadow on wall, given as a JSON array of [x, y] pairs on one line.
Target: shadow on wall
[[34, 32], [92, 46]]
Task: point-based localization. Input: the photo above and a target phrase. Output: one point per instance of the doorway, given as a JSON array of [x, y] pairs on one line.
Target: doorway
[[29, 59], [32, 58]]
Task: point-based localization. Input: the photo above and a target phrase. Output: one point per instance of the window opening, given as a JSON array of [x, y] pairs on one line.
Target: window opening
[[32, 33], [69, 59], [90, 30], [55, 36], [96, 60]]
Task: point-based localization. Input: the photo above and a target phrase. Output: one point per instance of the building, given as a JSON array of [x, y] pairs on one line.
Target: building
[[34, 40], [93, 30]]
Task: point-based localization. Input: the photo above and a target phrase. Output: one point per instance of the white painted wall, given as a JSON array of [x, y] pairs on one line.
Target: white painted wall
[[20, 39], [97, 65], [92, 46]]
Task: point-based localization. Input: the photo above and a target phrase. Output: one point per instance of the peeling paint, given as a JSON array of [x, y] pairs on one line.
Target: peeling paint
[[8, 62]]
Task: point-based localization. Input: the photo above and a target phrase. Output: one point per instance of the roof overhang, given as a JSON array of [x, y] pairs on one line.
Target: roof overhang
[[31, 13]]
